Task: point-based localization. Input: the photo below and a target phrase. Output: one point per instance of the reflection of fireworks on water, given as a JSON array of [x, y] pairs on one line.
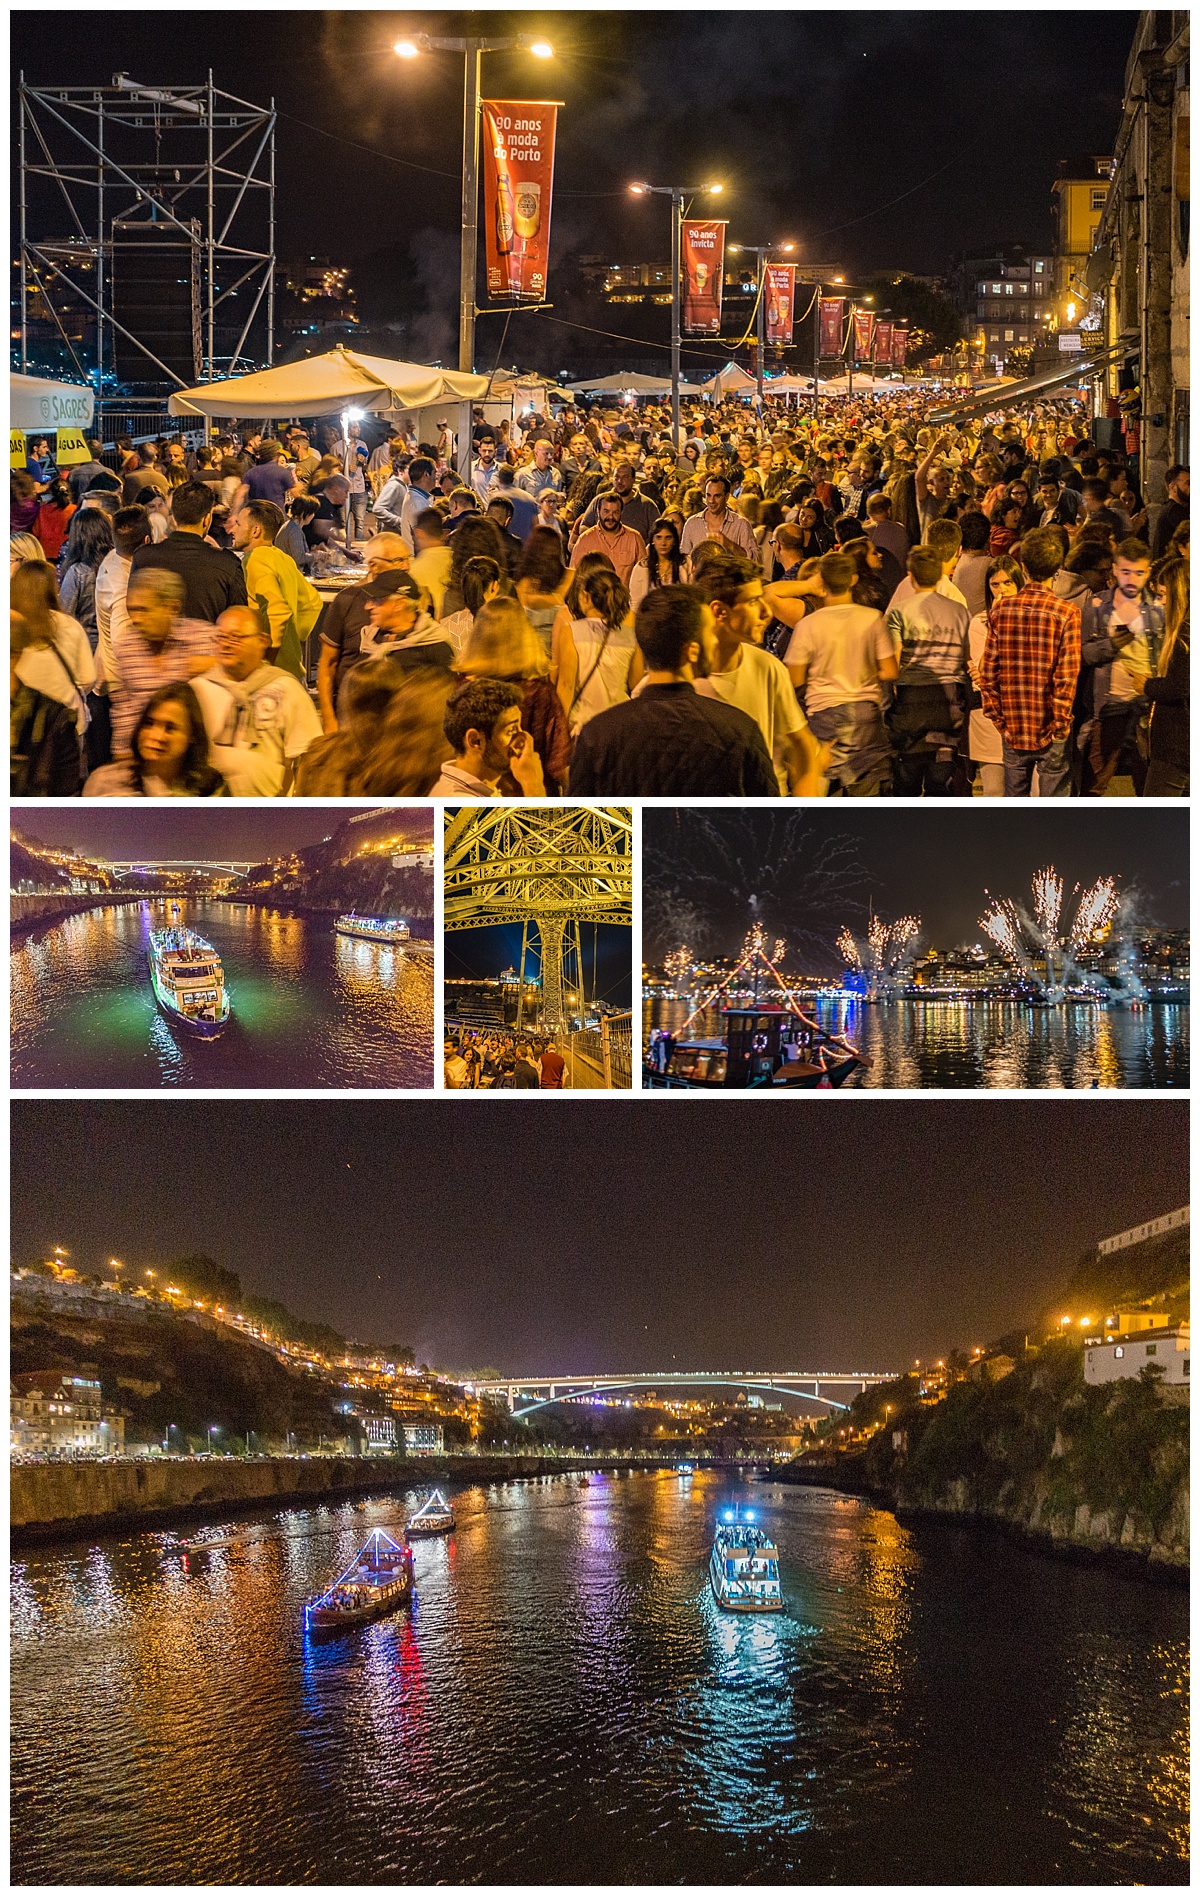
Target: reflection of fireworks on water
[[1097, 907], [1047, 904], [848, 948]]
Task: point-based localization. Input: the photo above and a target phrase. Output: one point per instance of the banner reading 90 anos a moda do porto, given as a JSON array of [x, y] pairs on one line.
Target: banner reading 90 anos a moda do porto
[[518, 181], [703, 274]]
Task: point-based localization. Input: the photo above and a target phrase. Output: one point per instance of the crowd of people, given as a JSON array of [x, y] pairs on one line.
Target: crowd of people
[[854, 603], [491, 1058]]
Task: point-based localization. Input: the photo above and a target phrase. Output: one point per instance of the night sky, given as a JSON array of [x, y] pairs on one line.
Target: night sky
[[579, 1236], [936, 862], [476, 952], [873, 139], [216, 832]]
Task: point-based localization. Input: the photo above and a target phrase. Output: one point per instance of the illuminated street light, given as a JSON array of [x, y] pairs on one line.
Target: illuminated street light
[[761, 252], [472, 51], [676, 193]]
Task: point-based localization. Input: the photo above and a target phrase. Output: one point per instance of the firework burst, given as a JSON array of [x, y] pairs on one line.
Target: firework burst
[[1047, 904], [1003, 924], [1097, 908], [848, 948]]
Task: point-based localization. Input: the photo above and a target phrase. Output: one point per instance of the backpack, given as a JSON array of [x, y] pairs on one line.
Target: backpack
[[44, 757]]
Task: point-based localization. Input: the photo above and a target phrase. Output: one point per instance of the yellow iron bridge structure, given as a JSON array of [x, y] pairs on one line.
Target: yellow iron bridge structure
[[548, 869]]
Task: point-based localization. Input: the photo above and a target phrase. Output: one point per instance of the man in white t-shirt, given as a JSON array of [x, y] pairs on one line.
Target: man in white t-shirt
[[751, 679], [260, 720], [840, 657]]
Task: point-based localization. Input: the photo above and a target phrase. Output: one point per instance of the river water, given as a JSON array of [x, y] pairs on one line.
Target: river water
[[565, 1703], [309, 1007], [985, 1043]]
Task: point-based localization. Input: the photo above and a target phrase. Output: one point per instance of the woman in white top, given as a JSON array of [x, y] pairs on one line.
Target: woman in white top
[[596, 659], [662, 565], [58, 659], [480, 582], [985, 746]]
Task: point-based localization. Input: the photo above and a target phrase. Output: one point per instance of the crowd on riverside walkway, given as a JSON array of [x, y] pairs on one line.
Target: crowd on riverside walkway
[[492, 1058], [855, 603]]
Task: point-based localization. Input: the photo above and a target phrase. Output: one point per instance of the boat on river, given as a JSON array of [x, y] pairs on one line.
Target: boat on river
[[189, 981], [434, 1516], [388, 930], [743, 1568], [762, 1046], [376, 1582]]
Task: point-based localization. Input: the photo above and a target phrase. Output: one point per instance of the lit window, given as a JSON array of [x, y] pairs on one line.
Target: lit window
[[1008, 289], [1118, 1351], [1098, 198], [1037, 269], [1008, 335]]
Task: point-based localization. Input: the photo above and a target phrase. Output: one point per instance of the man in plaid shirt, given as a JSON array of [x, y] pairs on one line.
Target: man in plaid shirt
[[1030, 670]]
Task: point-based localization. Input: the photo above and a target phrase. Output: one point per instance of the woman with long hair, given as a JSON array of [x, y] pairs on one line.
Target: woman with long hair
[[905, 511], [23, 502], [54, 515], [474, 539], [597, 660], [57, 659], [480, 581], [170, 753], [389, 741], [541, 580], [1169, 691], [985, 746], [663, 564], [503, 644], [22, 547], [816, 537], [1006, 527], [90, 541]]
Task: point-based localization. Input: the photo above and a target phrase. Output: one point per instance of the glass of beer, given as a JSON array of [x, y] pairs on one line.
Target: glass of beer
[[528, 211], [701, 278]]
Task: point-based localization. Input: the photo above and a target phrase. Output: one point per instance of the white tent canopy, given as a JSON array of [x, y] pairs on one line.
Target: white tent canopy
[[631, 384], [328, 384], [34, 404], [730, 381]]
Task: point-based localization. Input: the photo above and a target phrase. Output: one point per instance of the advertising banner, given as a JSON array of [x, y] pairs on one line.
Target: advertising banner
[[883, 340], [703, 275], [832, 308], [518, 181], [899, 346], [780, 292], [864, 322]]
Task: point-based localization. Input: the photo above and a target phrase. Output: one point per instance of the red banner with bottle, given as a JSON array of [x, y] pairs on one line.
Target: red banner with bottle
[[780, 292], [831, 325], [899, 346], [863, 324], [703, 256], [518, 181], [883, 340]]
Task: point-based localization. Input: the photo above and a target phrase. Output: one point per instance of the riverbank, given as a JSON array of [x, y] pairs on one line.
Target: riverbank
[[55, 1501], [321, 911], [1099, 1474], [28, 913]]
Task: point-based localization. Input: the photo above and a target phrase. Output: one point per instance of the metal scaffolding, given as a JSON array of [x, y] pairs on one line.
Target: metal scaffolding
[[169, 202], [547, 869]]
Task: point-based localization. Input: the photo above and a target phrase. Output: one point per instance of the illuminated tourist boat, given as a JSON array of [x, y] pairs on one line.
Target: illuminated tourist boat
[[434, 1516], [391, 932], [378, 1579], [686, 1468], [743, 1568], [762, 1046], [188, 980]]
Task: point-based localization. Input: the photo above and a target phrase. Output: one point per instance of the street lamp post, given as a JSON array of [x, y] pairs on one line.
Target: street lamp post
[[760, 252], [472, 51], [676, 193]]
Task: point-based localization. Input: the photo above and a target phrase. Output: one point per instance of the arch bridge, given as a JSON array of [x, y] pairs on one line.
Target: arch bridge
[[526, 1394]]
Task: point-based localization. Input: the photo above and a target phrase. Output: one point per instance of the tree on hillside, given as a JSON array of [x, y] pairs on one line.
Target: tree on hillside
[[933, 322], [202, 1277]]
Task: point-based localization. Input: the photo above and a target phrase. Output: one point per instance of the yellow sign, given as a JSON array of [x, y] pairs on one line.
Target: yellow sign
[[16, 448], [73, 450]]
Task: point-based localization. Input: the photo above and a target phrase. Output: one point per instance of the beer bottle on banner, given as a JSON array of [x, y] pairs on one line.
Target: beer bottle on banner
[[505, 204]]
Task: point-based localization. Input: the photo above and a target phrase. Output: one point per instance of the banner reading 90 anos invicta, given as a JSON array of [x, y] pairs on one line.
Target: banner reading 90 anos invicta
[[518, 181], [703, 274], [780, 290]]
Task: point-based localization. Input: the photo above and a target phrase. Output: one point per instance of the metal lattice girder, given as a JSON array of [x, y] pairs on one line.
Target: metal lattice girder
[[507, 863]]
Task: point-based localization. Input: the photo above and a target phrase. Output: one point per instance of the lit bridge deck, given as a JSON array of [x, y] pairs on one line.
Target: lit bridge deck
[[526, 1393]]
